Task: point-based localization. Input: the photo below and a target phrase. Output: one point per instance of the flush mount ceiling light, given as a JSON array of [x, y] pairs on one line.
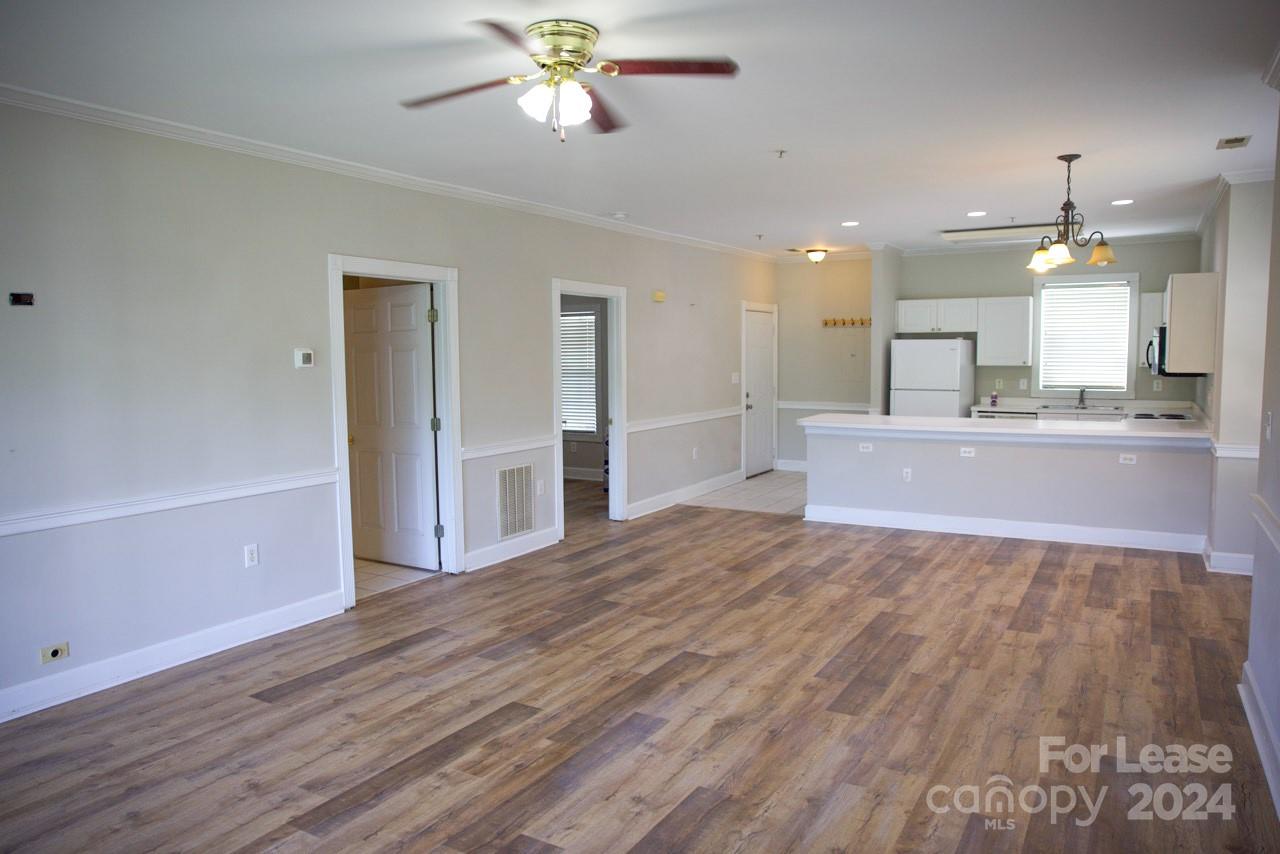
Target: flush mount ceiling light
[[561, 50], [1055, 251], [814, 255]]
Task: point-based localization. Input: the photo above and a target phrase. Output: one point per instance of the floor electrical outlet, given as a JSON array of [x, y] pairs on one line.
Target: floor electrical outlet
[[57, 652]]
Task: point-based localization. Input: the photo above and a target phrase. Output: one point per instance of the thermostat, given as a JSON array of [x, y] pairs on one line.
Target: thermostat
[[304, 358]]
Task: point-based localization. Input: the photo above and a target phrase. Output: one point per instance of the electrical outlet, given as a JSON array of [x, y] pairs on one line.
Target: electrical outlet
[[250, 555], [966, 452], [1022, 384], [1128, 459], [735, 377], [542, 487], [573, 447], [695, 452], [57, 652], [999, 385], [906, 475], [1157, 385], [864, 447]]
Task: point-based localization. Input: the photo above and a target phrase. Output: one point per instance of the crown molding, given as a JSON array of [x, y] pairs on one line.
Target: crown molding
[[1249, 176], [17, 96], [1165, 237], [1272, 75], [1219, 190], [1230, 179]]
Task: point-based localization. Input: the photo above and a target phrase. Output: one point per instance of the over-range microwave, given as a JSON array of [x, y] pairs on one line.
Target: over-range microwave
[[1158, 354]]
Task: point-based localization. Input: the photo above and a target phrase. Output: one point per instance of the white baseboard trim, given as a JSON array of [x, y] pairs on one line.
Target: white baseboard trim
[[27, 697], [576, 473], [661, 502], [984, 527], [512, 548], [1265, 734], [791, 465], [1231, 563], [23, 524]]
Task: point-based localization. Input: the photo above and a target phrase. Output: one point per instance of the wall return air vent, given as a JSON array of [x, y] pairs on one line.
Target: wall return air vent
[[515, 501]]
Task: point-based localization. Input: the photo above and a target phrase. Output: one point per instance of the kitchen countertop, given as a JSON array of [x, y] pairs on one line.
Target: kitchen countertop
[[1195, 433], [1033, 404]]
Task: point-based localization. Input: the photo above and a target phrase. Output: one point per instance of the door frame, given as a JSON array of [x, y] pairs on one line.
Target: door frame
[[448, 404], [767, 308], [616, 350]]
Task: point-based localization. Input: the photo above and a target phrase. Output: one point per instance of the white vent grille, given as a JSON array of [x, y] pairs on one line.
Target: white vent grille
[[515, 501]]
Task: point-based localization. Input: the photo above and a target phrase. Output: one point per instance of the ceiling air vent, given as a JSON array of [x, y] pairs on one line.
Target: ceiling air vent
[[515, 501], [1233, 142]]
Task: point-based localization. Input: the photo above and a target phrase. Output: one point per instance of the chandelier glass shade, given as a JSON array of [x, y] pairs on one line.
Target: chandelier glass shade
[[1055, 251]]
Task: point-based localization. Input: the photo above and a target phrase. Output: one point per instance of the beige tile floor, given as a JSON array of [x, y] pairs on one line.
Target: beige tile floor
[[771, 492], [373, 577]]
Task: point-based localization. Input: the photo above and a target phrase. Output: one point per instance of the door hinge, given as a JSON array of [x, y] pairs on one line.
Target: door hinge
[[435, 425], [433, 315], [439, 532]]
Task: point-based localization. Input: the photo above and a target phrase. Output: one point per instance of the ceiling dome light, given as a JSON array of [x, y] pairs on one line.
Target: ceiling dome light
[[536, 103], [976, 213], [1123, 202], [816, 255], [575, 104], [1102, 254], [849, 224]]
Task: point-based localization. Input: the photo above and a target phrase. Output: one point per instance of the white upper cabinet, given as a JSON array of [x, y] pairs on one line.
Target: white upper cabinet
[[917, 315], [958, 315], [938, 315], [1004, 331]]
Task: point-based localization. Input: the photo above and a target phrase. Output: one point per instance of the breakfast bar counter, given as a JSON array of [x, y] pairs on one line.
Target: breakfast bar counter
[[1137, 483]]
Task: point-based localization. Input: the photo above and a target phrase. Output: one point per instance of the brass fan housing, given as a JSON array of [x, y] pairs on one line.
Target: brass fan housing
[[563, 43]]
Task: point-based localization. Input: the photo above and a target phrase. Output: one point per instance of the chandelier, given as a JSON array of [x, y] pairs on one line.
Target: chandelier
[[1056, 251]]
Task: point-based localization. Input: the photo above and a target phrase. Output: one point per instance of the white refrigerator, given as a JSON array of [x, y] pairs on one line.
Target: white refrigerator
[[931, 376]]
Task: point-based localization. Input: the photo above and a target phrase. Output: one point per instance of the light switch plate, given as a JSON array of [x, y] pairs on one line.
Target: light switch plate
[[304, 357], [967, 452], [1128, 459], [735, 378], [864, 447], [1157, 385], [1022, 384]]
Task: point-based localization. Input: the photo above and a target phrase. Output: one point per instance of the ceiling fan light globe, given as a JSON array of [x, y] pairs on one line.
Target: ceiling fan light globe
[[536, 103], [575, 103], [816, 255]]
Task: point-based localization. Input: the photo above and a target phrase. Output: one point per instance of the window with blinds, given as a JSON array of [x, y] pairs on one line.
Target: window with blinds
[[1085, 335], [579, 388]]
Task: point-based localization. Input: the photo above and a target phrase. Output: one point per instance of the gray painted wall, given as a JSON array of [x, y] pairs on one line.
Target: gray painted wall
[[172, 283]]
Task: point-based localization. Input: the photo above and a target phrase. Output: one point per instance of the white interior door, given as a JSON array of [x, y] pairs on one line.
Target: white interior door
[[389, 410], [760, 393]]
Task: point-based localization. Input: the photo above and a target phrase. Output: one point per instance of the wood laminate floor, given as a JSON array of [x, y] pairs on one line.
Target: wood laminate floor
[[696, 680]]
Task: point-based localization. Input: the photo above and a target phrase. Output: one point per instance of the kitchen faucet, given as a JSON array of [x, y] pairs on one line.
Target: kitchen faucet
[[1080, 400]]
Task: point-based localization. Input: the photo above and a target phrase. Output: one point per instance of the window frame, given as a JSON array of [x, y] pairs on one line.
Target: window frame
[[601, 370], [1132, 281]]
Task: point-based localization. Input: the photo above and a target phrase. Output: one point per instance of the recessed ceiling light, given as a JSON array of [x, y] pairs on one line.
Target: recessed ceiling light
[[1123, 202], [976, 213], [850, 224]]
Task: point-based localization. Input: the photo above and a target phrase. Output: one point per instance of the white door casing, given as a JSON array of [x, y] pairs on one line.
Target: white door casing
[[759, 388], [389, 411]]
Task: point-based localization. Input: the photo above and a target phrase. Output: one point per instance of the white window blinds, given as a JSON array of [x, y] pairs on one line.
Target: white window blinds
[[578, 376], [1084, 336]]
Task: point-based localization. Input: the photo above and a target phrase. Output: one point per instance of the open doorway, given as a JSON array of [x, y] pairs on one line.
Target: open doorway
[[395, 422], [590, 425]]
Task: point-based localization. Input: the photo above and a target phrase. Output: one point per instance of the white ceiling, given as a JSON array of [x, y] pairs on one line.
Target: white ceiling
[[902, 115]]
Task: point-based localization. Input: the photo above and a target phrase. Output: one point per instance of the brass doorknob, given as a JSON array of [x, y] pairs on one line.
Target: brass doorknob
[[351, 440]]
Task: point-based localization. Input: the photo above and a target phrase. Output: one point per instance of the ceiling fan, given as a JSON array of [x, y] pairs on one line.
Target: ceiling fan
[[561, 50]]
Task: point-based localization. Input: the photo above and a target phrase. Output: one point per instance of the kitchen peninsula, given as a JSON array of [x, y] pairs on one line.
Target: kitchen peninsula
[[1137, 483]]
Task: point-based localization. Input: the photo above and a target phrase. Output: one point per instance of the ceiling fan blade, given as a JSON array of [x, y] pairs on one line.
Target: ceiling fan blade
[[453, 93], [508, 35], [722, 65], [602, 118]]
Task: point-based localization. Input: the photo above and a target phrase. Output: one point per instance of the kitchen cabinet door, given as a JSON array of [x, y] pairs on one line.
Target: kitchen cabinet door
[[1004, 331], [957, 315], [917, 315]]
